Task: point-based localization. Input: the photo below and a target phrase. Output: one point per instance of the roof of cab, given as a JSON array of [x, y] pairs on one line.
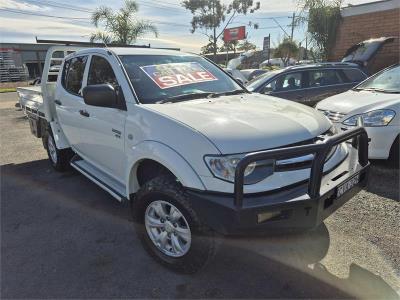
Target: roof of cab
[[133, 51]]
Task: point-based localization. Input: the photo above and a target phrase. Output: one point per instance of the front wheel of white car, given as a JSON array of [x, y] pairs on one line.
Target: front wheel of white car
[[169, 228]]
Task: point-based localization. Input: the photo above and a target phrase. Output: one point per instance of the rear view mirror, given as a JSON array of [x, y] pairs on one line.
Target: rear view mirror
[[102, 95]]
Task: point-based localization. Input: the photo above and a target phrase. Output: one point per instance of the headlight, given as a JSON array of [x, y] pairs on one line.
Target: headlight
[[224, 167], [373, 118]]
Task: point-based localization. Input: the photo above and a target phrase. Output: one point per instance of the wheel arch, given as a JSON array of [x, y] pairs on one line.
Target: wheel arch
[[156, 153]]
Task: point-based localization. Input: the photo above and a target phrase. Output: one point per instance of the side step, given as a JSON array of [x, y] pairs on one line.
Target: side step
[[115, 188]]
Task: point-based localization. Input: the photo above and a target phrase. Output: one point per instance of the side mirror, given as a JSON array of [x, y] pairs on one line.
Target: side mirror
[[102, 95]]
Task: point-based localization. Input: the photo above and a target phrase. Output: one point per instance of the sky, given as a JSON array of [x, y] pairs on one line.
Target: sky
[[23, 20]]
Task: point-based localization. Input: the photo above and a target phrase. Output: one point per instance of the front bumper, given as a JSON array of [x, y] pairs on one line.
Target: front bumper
[[300, 206]]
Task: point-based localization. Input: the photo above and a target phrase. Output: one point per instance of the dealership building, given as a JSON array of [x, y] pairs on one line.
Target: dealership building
[[19, 59], [366, 21]]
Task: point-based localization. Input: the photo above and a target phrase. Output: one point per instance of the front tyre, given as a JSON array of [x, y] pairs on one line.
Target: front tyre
[[169, 228]]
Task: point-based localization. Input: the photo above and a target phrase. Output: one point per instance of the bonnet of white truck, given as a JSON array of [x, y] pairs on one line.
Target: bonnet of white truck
[[281, 165]]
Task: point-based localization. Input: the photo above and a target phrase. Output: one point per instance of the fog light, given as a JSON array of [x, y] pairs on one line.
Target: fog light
[[265, 216]]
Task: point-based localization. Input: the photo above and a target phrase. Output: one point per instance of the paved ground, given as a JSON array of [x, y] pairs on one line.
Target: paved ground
[[63, 237]]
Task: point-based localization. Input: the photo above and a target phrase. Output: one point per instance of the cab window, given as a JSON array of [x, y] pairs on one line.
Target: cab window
[[353, 75], [286, 82], [101, 72], [72, 77], [319, 78]]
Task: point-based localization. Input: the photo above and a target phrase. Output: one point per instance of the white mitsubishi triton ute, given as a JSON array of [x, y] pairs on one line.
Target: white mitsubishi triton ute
[[193, 150]]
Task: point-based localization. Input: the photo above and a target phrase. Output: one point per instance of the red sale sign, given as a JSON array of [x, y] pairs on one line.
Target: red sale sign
[[235, 34], [177, 74]]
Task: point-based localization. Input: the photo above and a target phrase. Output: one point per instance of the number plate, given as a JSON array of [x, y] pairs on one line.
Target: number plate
[[348, 185]]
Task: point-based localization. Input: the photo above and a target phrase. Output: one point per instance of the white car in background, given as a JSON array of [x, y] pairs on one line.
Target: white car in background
[[377, 101]]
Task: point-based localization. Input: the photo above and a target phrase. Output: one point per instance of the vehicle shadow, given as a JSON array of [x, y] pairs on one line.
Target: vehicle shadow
[[384, 180], [296, 257], [82, 241]]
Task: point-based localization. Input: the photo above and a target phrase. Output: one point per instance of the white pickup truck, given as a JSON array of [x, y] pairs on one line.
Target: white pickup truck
[[194, 151]]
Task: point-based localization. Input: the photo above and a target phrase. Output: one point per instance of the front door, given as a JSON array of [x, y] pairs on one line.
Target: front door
[[68, 100], [103, 129], [287, 86]]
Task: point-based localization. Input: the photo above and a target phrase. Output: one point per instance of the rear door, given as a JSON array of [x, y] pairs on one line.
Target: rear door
[[323, 83], [69, 101], [288, 86]]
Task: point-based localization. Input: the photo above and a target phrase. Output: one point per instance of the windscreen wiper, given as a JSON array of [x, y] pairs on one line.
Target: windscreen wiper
[[234, 92], [380, 90], [192, 96], [188, 96]]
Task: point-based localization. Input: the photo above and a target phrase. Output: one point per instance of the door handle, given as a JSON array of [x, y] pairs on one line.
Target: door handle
[[58, 102], [84, 113]]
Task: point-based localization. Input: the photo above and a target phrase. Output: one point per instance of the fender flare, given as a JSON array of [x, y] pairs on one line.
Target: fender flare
[[59, 137], [167, 157]]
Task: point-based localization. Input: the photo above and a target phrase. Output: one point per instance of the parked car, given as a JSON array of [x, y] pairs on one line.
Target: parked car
[[377, 102], [366, 54], [236, 74], [308, 84], [277, 62], [191, 150], [250, 74]]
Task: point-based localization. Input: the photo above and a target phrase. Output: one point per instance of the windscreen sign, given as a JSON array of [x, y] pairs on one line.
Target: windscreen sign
[[177, 74]]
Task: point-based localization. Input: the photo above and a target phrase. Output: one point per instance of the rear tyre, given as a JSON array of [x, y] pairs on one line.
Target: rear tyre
[[59, 158], [169, 228]]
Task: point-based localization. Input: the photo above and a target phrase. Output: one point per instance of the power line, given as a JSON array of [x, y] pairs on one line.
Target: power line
[[174, 4], [40, 15], [271, 18], [160, 6], [83, 19], [60, 5], [84, 9], [269, 27]]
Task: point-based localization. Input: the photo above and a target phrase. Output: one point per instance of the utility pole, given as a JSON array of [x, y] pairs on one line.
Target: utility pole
[[293, 24], [306, 54]]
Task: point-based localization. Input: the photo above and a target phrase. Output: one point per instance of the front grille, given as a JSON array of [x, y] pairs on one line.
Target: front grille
[[303, 162], [334, 116]]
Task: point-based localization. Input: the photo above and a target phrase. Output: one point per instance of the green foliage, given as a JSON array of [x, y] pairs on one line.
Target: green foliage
[[285, 50], [120, 27], [245, 45], [209, 48], [212, 15], [323, 18], [229, 46]]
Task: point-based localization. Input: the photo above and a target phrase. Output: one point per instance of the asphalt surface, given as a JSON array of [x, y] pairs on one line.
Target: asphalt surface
[[64, 237]]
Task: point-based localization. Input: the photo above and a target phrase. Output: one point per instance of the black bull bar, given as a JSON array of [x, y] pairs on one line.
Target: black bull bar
[[320, 151]]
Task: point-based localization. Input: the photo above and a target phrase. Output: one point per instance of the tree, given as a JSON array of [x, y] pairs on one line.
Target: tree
[[285, 50], [209, 48], [245, 45], [323, 17], [214, 15], [120, 27], [229, 46]]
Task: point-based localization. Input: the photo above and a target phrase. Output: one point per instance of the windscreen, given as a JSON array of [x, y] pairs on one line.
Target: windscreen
[[156, 78], [387, 81]]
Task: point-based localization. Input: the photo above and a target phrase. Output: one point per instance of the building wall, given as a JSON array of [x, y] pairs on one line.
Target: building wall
[[367, 21], [30, 55]]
